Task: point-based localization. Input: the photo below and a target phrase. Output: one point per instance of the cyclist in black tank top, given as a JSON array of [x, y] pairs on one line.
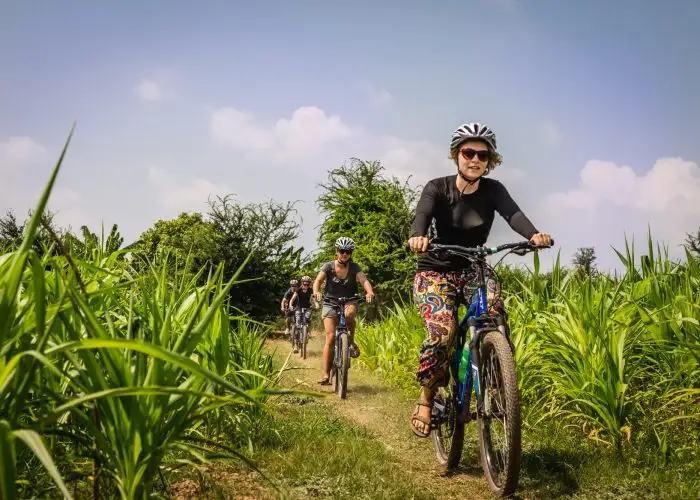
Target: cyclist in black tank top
[[462, 207], [344, 285]]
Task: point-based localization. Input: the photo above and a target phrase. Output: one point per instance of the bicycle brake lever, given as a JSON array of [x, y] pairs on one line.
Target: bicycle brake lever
[[521, 252]]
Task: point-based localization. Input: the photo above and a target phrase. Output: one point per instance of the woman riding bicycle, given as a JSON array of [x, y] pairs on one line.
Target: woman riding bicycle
[[301, 300], [284, 306], [463, 206], [341, 276]]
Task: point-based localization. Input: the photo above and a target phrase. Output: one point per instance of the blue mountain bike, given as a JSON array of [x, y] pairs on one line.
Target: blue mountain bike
[[341, 348], [482, 361]]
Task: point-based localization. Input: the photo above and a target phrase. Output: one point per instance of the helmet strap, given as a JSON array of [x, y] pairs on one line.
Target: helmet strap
[[470, 182]]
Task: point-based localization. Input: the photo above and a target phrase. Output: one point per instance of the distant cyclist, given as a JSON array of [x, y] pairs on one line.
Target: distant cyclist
[[286, 310], [462, 207], [342, 276], [301, 300]]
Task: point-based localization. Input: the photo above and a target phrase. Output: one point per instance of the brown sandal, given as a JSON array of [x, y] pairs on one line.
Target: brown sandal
[[415, 416], [325, 381]]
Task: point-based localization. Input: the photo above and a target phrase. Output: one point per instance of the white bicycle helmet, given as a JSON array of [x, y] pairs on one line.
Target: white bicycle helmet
[[344, 243], [306, 279], [293, 282], [472, 131]]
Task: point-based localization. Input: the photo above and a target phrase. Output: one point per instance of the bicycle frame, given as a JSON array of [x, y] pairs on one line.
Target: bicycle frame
[[342, 328], [477, 322], [473, 322]]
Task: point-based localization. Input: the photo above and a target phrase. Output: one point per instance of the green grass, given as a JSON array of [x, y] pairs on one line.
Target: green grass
[[310, 451], [319, 453]]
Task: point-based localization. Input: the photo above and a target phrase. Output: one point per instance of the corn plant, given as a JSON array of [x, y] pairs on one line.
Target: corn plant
[[120, 374]]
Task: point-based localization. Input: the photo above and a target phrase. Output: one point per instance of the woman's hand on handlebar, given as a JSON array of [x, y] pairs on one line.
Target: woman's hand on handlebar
[[318, 297], [541, 240], [418, 244], [369, 297]]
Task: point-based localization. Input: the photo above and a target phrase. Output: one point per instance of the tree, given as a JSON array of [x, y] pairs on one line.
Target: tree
[[90, 246], [377, 212], [228, 234], [47, 238], [266, 232], [187, 233], [692, 243], [583, 261]]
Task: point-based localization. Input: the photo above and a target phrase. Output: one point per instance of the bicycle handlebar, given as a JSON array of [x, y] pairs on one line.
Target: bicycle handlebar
[[519, 248], [344, 300]]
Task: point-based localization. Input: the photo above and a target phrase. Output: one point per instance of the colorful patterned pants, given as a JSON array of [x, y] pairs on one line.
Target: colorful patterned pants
[[438, 296]]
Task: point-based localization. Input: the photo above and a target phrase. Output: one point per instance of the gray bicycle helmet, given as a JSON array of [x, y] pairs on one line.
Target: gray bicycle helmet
[[293, 282], [344, 243], [306, 279], [473, 131]]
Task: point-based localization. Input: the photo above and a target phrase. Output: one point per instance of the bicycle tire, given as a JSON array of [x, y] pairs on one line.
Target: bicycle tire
[[444, 411], [304, 340], [341, 378], [495, 343]]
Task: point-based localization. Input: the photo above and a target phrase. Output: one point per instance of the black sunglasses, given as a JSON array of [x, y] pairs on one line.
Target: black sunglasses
[[469, 153], [348, 252]]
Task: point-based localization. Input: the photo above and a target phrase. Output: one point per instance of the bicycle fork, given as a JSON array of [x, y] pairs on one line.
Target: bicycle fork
[[472, 378]]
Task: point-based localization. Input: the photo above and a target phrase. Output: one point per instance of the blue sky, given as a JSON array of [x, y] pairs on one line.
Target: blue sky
[[594, 104]]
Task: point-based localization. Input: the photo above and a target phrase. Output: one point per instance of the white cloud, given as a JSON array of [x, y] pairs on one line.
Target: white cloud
[[301, 137], [421, 160], [612, 200], [19, 158], [179, 193], [19, 153], [378, 96], [671, 184], [25, 166], [148, 90], [551, 135]]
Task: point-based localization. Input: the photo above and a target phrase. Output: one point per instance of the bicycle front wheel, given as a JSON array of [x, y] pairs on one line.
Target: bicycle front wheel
[[499, 422], [341, 378], [304, 340]]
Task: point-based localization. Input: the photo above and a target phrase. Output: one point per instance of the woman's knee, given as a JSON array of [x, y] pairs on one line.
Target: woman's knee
[[329, 327]]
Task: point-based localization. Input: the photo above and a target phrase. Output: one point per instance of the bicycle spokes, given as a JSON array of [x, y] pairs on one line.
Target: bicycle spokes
[[447, 431], [495, 416]]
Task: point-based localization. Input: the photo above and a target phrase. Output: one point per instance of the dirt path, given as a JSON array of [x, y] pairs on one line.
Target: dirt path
[[386, 413]]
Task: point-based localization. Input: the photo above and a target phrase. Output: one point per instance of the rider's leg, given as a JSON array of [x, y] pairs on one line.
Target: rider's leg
[[330, 321], [287, 323], [496, 304], [435, 295], [350, 320]]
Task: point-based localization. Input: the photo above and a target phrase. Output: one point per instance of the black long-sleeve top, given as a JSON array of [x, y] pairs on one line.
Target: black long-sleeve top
[[464, 219]]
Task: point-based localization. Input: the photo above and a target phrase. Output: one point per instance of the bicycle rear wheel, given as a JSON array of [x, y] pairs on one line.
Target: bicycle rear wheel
[[499, 423], [341, 375], [447, 433]]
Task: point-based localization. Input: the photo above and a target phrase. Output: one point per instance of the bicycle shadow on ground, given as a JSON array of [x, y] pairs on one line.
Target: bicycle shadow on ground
[[544, 473], [548, 473], [367, 390], [463, 468]]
